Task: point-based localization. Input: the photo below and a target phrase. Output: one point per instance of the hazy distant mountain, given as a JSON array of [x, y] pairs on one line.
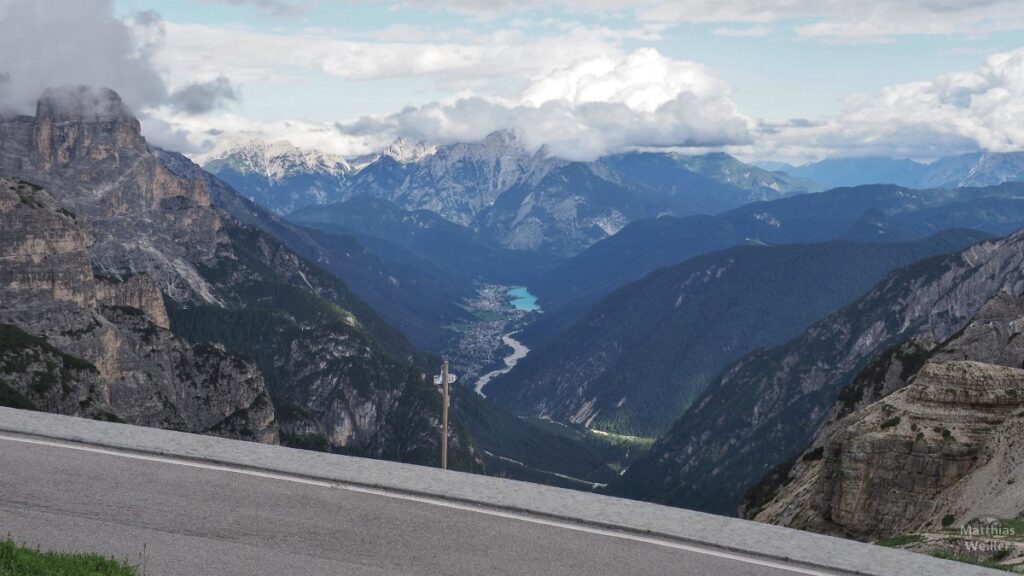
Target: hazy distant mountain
[[773, 166], [641, 355], [464, 255], [706, 184], [977, 169], [759, 184], [879, 212], [278, 175], [836, 172]]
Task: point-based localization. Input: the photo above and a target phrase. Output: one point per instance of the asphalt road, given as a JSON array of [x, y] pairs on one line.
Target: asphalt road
[[179, 518]]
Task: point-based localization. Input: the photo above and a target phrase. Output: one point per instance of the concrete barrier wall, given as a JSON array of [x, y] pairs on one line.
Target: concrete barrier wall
[[704, 530]]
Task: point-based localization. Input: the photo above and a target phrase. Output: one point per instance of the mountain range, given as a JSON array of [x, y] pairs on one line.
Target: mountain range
[[279, 176], [765, 408], [866, 213], [520, 199]]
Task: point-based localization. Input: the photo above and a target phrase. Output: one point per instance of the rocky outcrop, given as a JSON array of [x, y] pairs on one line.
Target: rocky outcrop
[[139, 292], [945, 441], [44, 248], [891, 468], [37, 376]]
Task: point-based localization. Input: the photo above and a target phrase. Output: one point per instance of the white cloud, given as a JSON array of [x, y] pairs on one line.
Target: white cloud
[[191, 52], [750, 31], [199, 136], [580, 112], [953, 113], [86, 45], [274, 7], [592, 107], [202, 97]]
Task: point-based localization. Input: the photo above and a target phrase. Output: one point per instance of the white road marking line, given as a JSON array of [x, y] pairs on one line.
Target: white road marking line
[[425, 500]]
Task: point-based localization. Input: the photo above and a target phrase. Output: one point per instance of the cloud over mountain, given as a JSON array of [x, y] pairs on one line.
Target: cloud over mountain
[[49, 43], [591, 108], [202, 97]]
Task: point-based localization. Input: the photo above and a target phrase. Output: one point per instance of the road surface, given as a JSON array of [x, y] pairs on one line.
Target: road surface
[[181, 518]]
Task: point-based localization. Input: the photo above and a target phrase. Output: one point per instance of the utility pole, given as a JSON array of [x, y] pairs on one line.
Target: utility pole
[[444, 415], [443, 381]]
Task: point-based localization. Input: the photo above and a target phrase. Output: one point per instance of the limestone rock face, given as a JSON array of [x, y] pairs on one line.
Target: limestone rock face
[[139, 292], [881, 478], [81, 345], [87, 150], [44, 248], [82, 128], [890, 468]]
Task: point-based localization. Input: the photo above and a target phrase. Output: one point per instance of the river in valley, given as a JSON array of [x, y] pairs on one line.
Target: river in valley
[[519, 351]]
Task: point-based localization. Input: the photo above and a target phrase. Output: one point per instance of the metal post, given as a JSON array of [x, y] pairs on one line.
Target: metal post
[[444, 416]]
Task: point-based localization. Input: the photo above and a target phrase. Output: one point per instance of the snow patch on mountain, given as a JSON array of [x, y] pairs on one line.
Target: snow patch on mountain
[[276, 160]]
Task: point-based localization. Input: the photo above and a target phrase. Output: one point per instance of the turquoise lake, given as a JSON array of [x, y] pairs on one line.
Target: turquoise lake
[[523, 300]]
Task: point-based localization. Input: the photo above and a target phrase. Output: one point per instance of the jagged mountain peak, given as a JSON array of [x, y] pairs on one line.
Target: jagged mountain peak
[[499, 143], [406, 151]]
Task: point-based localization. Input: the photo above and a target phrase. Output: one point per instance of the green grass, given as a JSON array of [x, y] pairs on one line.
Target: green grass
[[18, 560], [642, 442], [945, 555], [901, 540], [891, 422]]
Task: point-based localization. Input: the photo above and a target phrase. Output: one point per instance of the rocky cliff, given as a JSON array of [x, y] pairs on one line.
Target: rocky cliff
[[87, 150], [80, 344]]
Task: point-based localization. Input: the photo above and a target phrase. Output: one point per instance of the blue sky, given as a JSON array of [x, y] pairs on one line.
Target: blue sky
[[793, 80], [778, 75]]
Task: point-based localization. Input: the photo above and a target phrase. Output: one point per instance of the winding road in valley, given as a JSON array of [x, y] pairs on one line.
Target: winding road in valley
[[519, 351]]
